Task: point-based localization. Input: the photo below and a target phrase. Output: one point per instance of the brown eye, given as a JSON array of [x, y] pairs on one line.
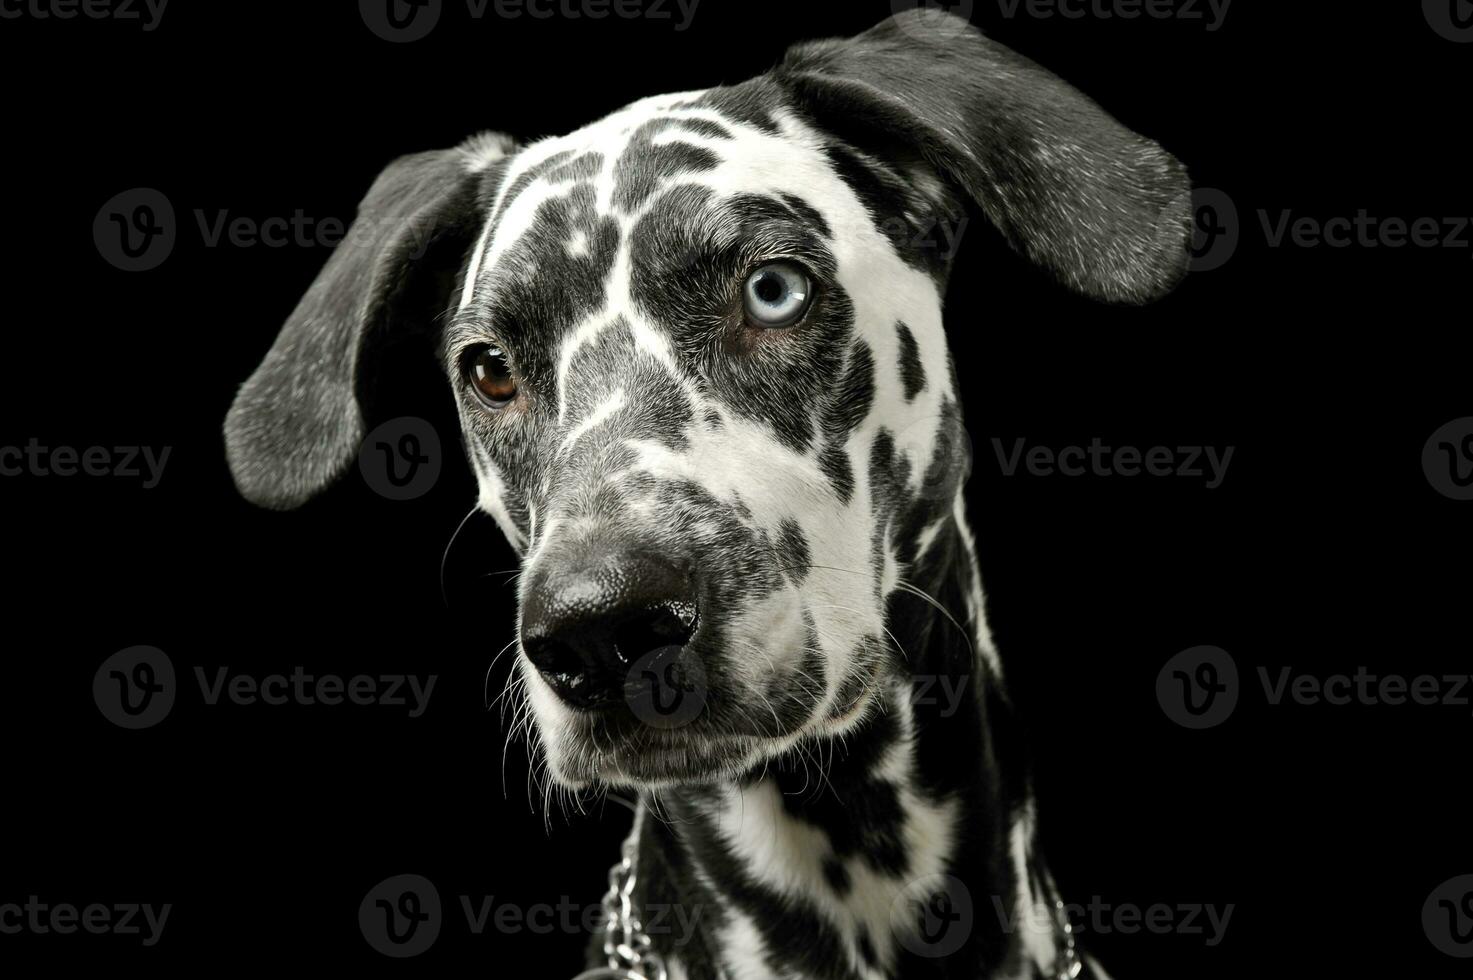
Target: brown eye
[[491, 378]]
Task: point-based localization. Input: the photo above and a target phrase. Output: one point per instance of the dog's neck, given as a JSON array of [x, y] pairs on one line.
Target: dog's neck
[[808, 868]]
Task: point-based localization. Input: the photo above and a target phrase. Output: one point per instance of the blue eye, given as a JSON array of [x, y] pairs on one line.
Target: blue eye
[[777, 295]]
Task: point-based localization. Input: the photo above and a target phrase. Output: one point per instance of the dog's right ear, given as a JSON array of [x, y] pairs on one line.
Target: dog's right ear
[[296, 425]]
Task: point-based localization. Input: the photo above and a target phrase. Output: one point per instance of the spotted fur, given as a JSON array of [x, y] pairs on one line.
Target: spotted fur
[[807, 481]]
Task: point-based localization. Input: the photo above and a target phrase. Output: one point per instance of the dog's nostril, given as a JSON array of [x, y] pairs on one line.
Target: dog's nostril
[[668, 624], [554, 657]]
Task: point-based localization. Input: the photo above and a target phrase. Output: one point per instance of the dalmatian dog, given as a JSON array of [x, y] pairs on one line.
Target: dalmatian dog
[[700, 363]]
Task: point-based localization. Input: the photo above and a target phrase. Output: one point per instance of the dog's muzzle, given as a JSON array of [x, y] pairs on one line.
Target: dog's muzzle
[[590, 616]]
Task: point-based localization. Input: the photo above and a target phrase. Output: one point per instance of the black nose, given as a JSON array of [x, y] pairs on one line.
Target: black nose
[[585, 622]]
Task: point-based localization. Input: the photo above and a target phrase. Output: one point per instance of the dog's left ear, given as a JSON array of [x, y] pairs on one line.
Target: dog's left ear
[[296, 424], [1106, 211]]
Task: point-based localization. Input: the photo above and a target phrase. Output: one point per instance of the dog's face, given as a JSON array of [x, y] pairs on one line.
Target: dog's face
[[706, 390], [698, 354]]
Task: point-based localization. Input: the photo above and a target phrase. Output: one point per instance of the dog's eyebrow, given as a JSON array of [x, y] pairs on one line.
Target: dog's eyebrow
[[765, 239], [466, 328], [759, 226]]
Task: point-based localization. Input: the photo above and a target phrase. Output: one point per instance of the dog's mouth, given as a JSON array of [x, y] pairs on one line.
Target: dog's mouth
[[670, 729], [660, 694], [657, 760], [677, 721], [674, 728]]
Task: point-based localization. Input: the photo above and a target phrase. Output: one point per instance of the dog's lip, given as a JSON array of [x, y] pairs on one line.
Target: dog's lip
[[857, 710], [670, 758]]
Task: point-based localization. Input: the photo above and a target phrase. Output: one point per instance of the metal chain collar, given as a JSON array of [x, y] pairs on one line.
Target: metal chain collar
[[627, 946], [1067, 964]]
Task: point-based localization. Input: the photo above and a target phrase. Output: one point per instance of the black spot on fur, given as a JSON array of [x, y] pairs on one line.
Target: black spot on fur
[[583, 167], [644, 166], [837, 876], [792, 548], [912, 374], [796, 936], [848, 406], [889, 473], [835, 465], [852, 397], [861, 814], [749, 103], [704, 127], [808, 213]]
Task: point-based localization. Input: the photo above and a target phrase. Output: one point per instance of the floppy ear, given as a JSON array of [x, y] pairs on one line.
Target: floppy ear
[[296, 425], [1105, 210]]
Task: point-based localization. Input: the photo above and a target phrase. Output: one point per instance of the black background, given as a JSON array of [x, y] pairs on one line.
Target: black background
[[1325, 548]]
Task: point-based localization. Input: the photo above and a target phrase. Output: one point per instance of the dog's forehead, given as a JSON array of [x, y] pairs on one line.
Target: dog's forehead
[[601, 180]]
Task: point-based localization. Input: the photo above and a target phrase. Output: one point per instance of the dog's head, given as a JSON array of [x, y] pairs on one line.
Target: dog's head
[[698, 354]]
